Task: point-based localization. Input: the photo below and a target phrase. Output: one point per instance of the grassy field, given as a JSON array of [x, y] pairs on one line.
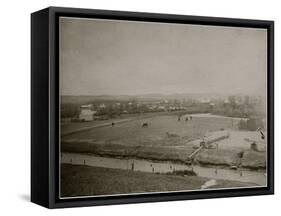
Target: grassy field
[[165, 138], [159, 153], [129, 139], [132, 133], [85, 181], [69, 127]]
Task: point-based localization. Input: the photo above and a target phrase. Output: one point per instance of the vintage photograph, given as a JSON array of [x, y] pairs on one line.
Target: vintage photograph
[[150, 107]]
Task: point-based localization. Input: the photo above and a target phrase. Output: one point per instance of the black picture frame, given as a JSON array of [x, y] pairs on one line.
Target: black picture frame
[[45, 102]]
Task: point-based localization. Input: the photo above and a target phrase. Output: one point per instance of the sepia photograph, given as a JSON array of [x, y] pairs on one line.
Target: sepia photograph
[[155, 107]]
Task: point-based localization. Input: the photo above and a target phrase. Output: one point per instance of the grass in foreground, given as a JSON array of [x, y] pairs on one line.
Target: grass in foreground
[[79, 180]]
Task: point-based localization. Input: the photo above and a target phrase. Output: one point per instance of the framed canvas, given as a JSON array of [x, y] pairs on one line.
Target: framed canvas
[[138, 107]]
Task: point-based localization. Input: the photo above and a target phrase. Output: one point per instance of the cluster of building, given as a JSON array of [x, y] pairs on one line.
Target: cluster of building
[[90, 112]]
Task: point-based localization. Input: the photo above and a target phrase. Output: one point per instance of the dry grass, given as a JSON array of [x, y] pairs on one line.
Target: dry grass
[[86, 181]]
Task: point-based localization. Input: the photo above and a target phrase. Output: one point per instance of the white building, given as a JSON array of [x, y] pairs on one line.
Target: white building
[[162, 108], [86, 113]]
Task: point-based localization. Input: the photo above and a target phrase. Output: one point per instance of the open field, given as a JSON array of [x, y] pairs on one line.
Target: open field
[[167, 139], [132, 133], [129, 139], [90, 181], [69, 127]]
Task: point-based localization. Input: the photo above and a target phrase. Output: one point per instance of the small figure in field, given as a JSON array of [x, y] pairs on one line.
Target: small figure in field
[[179, 118], [186, 119], [190, 117], [133, 166], [112, 124], [145, 125]]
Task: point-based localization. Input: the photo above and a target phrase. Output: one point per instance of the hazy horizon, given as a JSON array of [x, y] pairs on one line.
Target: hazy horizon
[[107, 57], [162, 94]]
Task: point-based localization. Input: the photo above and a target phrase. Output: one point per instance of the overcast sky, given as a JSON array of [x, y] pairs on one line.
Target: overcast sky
[[120, 57]]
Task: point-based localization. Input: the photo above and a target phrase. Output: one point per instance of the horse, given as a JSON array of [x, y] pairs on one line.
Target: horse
[[144, 125]]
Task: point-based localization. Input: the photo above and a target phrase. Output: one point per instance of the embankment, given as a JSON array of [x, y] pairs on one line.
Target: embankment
[[179, 154]]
